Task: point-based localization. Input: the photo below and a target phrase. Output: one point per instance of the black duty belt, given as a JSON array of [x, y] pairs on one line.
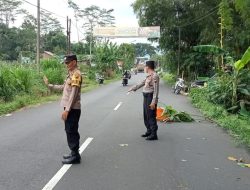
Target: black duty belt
[[146, 94]]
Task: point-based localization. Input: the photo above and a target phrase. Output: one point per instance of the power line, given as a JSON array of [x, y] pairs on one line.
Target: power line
[[44, 9], [197, 20], [211, 11], [53, 14]]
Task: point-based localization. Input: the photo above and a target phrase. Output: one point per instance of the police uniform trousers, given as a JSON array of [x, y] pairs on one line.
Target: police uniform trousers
[[71, 128], [149, 114]]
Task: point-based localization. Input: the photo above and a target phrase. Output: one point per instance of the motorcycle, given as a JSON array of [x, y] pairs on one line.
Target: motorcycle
[[99, 79], [125, 80], [198, 84], [179, 86]]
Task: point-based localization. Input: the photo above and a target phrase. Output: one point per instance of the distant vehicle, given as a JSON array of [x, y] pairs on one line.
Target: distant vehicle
[[99, 78], [124, 80], [179, 86], [125, 77], [140, 67], [129, 75], [140, 63]]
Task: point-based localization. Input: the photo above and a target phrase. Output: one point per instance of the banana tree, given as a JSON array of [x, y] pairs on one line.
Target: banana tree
[[238, 67]]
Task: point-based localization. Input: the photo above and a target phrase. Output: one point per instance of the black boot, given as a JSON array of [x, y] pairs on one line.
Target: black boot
[[74, 158], [152, 137], [146, 134], [67, 156]]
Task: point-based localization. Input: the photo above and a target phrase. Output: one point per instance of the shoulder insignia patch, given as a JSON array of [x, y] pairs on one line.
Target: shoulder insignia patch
[[76, 79]]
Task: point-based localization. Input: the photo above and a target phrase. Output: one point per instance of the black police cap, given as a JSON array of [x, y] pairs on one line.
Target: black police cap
[[150, 64], [69, 58]]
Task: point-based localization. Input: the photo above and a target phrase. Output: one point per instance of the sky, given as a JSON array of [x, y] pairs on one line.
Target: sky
[[123, 13]]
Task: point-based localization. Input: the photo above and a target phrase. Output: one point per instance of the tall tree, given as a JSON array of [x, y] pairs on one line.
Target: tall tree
[[9, 9], [142, 49], [90, 18], [127, 55], [198, 23]]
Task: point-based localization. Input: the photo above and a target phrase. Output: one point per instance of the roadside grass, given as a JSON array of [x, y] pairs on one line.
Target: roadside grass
[[236, 125], [26, 100]]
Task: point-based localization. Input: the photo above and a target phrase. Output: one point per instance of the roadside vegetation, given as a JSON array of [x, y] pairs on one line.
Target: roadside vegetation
[[21, 82], [22, 85], [208, 42]]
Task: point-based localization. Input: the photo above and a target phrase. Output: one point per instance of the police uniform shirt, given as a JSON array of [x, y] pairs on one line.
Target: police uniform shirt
[[150, 85], [71, 88]]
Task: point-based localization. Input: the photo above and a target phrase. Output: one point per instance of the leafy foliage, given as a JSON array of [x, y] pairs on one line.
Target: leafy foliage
[[176, 116], [238, 126], [198, 23], [54, 71]]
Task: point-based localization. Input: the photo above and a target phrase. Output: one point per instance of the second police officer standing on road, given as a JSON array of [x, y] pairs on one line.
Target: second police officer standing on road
[[71, 103], [150, 93]]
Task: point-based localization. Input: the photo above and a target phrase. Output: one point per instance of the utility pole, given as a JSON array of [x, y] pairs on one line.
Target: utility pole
[[38, 36], [179, 51], [90, 45], [221, 38], [68, 35], [77, 30]]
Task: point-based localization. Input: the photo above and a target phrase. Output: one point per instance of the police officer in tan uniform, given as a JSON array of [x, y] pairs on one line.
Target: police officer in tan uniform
[[150, 93], [71, 103]]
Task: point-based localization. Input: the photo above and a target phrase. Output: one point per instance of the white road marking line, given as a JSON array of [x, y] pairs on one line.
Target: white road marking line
[[117, 107], [52, 183]]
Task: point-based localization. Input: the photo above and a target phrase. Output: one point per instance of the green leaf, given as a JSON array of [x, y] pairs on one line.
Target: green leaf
[[209, 49], [244, 91], [244, 60]]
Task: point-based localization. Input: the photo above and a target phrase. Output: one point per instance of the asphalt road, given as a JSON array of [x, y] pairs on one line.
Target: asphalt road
[[188, 156]]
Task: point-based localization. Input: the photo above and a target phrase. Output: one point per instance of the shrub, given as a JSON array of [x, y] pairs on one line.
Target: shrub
[[55, 76], [24, 79], [238, 126], [169, 78], [51, 64], [220, 90], [7, 84], [54, 70]]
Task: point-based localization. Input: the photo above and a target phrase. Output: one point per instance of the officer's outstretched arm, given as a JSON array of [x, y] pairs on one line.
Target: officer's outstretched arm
[[138, 86], [56, 87], [52, 86]]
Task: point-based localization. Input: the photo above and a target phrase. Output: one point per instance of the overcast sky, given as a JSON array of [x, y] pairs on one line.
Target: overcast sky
[[123, 13]]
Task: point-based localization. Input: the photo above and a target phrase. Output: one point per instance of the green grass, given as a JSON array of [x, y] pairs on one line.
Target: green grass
[[24, 101], [30, 100], [237, 126]]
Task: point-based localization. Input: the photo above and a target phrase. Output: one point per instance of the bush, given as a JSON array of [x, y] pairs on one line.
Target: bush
[[220, 90], [238, 126], [7, 83], [55, 76], [24, 79], [169, 78], [54, 70], [51, 64]]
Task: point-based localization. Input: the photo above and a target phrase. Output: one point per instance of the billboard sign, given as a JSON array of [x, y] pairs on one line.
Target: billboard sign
[[128, 32]]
